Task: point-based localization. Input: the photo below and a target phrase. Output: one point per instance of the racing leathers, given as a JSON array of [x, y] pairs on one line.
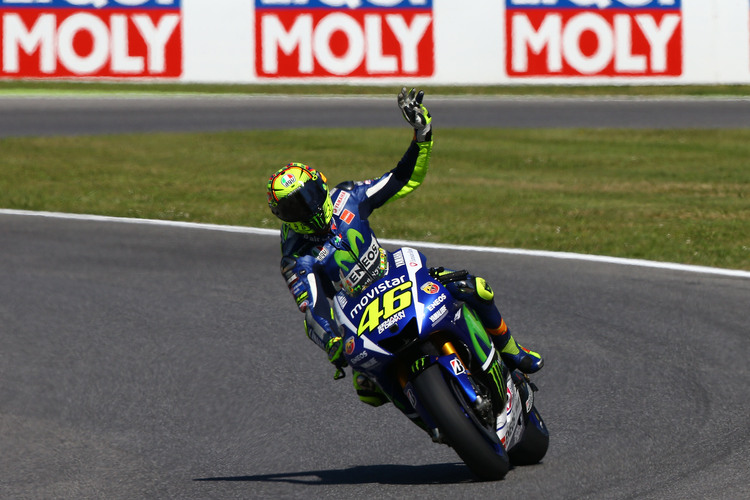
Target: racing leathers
[[349, 257]]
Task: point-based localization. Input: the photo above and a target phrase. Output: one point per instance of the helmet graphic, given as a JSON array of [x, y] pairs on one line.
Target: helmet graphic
[[298, 195]]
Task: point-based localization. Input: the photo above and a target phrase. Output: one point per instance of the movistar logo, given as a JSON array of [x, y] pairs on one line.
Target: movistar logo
[[351, 255]]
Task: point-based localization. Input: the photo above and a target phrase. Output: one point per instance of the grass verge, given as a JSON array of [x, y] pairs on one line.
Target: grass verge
[[673, 195]]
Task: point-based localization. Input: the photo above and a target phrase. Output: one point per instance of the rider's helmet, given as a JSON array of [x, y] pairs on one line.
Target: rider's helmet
[[298, 195]]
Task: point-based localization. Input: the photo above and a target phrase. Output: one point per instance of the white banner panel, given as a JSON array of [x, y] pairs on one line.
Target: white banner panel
[[482, 42]]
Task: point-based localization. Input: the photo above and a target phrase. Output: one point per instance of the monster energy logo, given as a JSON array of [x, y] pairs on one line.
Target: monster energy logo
[[318, 221], [496, 373], [419, 365]]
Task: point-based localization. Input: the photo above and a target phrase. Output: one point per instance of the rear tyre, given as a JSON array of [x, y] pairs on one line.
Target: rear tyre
[[459, 430], [534, 443]]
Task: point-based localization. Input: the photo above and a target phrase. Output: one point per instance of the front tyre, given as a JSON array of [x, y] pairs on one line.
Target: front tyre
[[459, 430]]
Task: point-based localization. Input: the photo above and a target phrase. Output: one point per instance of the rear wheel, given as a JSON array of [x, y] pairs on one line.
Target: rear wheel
[[534, 443], [463, 435]]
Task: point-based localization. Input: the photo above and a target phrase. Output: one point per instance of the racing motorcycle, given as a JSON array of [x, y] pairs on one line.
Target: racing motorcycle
[[431, 356]]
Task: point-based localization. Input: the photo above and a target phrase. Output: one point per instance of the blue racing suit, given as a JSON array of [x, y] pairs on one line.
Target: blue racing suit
[[349, 256]]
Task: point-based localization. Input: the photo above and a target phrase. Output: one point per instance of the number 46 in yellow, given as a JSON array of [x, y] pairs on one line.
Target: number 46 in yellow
[[394, 300]]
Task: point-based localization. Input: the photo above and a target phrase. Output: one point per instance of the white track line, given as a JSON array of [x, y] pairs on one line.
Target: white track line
[[440, 246]]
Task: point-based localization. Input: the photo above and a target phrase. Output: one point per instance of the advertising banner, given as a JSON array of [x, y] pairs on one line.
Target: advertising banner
[[90, 38], [442, 42], [343, 38], [573, 38]]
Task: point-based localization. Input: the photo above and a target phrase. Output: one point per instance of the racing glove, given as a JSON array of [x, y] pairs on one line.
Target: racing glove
[[335, 350], [415, 113]]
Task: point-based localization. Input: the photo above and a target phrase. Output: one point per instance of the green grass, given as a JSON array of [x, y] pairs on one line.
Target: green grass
[[676, 196]]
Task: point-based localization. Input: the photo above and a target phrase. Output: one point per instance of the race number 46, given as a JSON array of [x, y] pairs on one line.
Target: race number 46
[[382, 308]]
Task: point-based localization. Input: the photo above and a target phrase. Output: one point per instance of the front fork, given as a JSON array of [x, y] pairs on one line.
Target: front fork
[[458, 370]]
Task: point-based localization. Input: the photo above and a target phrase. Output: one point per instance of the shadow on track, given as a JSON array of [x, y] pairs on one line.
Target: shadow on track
[[366, 474]]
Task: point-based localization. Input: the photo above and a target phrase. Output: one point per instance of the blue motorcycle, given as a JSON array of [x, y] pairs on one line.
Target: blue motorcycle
[[433, 359]]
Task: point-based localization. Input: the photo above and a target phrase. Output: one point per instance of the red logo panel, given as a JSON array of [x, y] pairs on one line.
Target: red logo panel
[[626, 38], [61, 40], [312, 39]]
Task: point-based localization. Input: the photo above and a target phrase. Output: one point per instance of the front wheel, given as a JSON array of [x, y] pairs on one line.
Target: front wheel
[[458, 428]]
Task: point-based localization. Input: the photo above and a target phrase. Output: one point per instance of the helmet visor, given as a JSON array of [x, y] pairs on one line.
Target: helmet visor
[[304, 203]]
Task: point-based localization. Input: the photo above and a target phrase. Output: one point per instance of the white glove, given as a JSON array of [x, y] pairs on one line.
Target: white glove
[[415, 113]]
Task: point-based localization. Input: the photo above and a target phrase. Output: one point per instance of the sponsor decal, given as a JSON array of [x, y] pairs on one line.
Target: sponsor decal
[[419, 364], [359, 357], [411, 397], [438, 315], [374, 291], [90, 38], [393, 302], [343, 38], [509, 406], [322, 254], [572, 38], [292, 279], [347, 216], [458, 367], [297, 287], [369, 364], [342, 300], [514, 410], [431, 288], [515, 435], [341, 200], [391, 321], [411, 257], [288, 180], [437, 302], [349, 346], [371, 260], [398, 259]]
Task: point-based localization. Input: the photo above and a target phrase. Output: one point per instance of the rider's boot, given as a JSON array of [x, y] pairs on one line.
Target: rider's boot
[[476, 292], [513, 354], [368, 391]]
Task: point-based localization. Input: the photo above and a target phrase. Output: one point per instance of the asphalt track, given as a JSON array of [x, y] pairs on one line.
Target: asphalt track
[[153, 361], [97, 114]]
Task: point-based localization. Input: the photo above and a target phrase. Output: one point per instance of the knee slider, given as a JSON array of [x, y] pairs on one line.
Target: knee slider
[[483, 290], [474, 287], [287, 265]]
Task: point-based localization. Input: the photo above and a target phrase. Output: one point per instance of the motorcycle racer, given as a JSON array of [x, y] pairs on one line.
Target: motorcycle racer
[[327, 245]]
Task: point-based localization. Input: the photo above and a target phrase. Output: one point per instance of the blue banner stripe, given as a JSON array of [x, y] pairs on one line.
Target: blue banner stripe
[[594, 4], [344, 5], [90, 4]]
